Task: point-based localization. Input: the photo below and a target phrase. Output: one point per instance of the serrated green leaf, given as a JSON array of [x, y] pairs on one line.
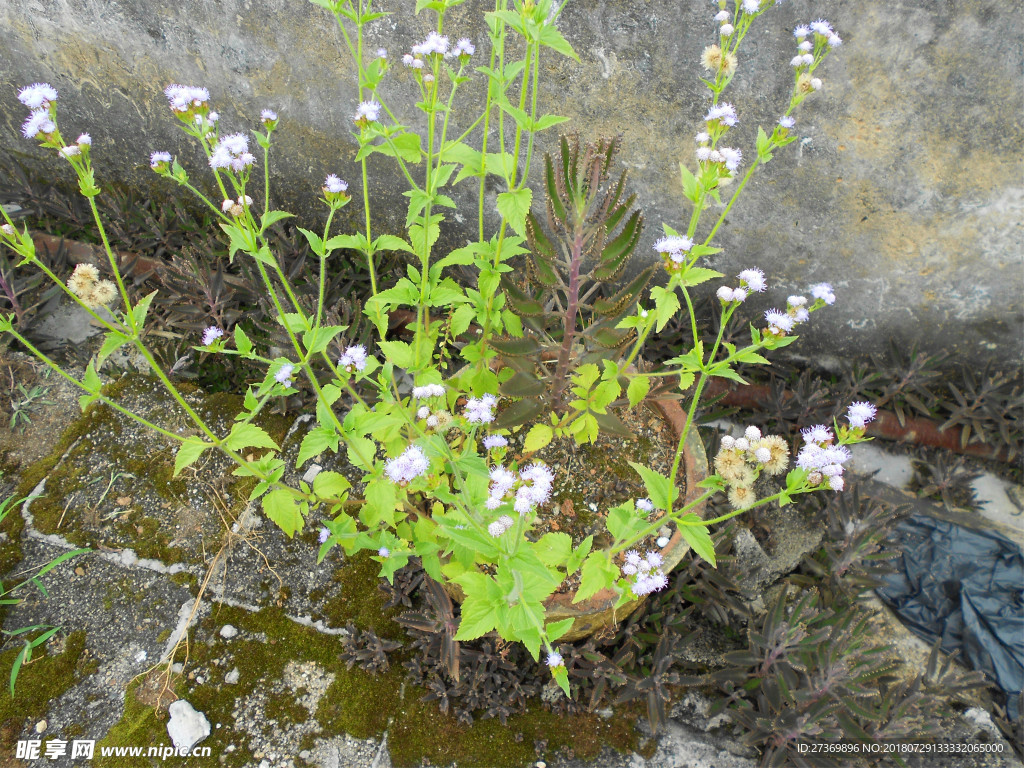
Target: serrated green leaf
[[281, 507], [598, 573], [637, 390], [190, 450], [112, 342], [554, 549], [552, 38], [248, 436], [314, 240], [397, 352], [316, 340], [557, 629], [315, 442], [538, 436], [514, 206], [697, 537], [659, 487], [330, 484], [697, 275], [242, 342], [270, 217], [140, 310]]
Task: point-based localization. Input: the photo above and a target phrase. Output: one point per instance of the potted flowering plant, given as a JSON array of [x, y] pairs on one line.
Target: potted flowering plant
[[439, 480]]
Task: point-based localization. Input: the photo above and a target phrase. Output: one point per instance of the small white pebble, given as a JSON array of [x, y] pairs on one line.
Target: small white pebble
[[663, 541], [41, 726], [228, 631]]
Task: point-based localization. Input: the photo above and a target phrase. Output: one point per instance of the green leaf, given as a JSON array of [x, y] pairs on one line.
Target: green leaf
[[330, 484], [139, 310], [764, 145], [623, 522], [281, 507], [478, 617], [315, 442], [460, 320], [552, 38], [270, 217], [579, 555], [666, 304], [697, 537], [190, 450], [316, 340], [514, 206], [557, 629], [113, 341], [539, 436], [314, 241], [356, 242], [691, 187], [397, 352], [248, 436], [637, 390], [391, 243], [91, 382], [547, 121], [659, 487], [598, 573], [381, 497], [696, 276], [554, 549], [242, 342]]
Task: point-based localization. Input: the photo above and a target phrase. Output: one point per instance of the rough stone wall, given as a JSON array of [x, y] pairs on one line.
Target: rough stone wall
[[905, 189]]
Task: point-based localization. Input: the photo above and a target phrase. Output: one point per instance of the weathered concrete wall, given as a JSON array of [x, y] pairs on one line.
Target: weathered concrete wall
[[905, 190]]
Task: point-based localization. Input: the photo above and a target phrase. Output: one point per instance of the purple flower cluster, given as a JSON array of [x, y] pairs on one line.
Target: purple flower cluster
[[644, 572], [232, 152], [823, 460], [354, 358], [408, 466], [182, 98], [480, 410], [211, 334], [428, 390], [499, 526], [535, 483]]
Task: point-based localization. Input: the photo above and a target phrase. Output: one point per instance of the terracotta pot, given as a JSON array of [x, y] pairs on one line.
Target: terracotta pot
[[598, 611]]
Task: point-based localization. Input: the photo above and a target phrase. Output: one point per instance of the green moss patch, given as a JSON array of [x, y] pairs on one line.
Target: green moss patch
[[91, 502], [41, 681]]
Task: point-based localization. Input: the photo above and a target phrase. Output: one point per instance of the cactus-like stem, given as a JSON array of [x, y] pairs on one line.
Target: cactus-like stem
[[569, 321]]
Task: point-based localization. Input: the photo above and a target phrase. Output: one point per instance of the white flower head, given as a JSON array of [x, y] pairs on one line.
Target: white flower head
[[673, 244], [84, 140], [480, 410], [494, 441], [268, 116], [751, 6], [555, 659], [284, 374], [818, 434], [38, 122], [354, 358], [778, 322], [726, 30], [37, 95], [211, 334], [824, 292], [335, 185], [753, 279], [645, 505], [158, 160], [408, 466], [367, 112], [860, 413]]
